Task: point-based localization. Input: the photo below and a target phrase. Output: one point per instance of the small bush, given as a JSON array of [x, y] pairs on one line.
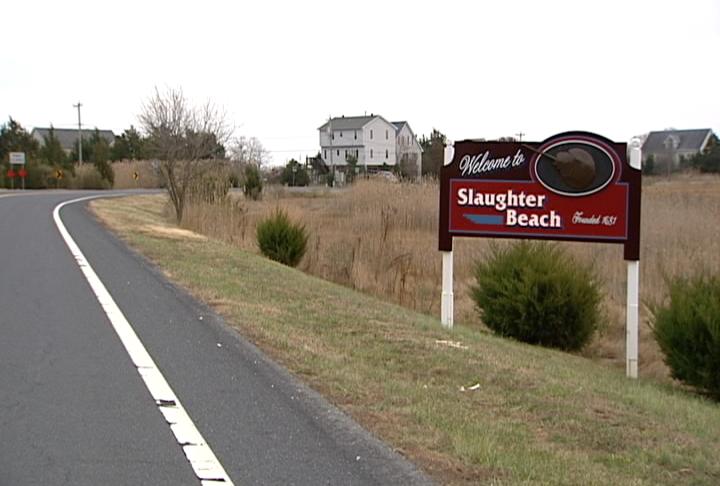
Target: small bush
[[281, 240], [687, 329], [536, 293], [252, 186]]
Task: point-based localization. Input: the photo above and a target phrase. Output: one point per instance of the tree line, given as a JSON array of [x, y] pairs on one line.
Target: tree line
[[43, 160]]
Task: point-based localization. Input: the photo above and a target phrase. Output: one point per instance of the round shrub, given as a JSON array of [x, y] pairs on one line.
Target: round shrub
[[40, 176], [281, 240], [536, 293], [687, 329]]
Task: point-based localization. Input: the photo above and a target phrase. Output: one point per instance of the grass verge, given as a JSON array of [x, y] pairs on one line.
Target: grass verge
[[468, 407]]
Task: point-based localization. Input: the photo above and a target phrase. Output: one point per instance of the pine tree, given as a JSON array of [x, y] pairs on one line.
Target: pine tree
[[433, 155], [52, 153], [128, 146], [14, 138], [100, 156]]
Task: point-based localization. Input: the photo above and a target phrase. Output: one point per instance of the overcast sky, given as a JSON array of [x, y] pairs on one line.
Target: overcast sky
[[280, 68]]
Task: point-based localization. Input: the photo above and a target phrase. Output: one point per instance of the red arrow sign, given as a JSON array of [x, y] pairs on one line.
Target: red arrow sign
[[11, 173], [22, 173]]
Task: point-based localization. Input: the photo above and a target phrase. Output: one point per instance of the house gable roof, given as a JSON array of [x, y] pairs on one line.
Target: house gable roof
[[399, 125], [352, 122], [348, 122], [68, 136], [684, 140]]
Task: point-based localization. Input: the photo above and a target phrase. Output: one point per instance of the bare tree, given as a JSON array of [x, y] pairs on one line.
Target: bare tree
[[184, 138], [248, 150]]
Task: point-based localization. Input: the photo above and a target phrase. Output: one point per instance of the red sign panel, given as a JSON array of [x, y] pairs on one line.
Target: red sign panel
[[574, 186], [22, 173]]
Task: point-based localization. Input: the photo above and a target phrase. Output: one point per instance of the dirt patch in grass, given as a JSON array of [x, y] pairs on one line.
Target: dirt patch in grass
[[173, 233]]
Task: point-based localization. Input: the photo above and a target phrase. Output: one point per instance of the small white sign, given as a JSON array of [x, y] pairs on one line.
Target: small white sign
[[17, 158]]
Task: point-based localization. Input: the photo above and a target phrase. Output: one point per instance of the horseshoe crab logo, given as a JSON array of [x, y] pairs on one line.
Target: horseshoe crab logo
[[575, 166]]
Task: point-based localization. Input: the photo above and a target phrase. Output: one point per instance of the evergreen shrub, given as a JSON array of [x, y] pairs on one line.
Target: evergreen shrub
[[282, 240], [252, 187], [536, 293], [687, 329]]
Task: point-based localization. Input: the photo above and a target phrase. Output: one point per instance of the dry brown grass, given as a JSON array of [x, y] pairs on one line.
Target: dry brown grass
[[124, 170], [381, 238], [86, 177]]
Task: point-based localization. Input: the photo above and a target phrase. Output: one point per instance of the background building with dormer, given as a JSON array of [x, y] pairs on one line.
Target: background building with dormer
[[375, 143], [669, 148]]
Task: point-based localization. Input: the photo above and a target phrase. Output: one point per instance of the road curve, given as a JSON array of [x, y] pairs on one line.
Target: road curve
[[74, 410]]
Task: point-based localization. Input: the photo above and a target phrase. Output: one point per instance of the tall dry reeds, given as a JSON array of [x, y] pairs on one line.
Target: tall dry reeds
[[86, 177], [124, 175], [381, 238]]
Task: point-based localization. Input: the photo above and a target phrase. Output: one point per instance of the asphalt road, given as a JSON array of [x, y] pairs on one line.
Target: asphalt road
[[74, 409]]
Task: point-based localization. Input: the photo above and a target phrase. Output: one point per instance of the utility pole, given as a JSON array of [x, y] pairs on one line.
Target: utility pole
[[79, 133], [519, 135]]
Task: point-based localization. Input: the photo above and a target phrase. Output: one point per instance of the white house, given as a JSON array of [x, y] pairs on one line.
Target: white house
[[408, 150], [373, 141]]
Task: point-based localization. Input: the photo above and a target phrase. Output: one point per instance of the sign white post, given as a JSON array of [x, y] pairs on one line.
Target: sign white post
[[447, 297], [446, 303], [633, 292]]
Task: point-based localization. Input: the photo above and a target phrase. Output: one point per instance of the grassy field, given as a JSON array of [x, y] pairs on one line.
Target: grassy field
[[381, 238], [468, 407]]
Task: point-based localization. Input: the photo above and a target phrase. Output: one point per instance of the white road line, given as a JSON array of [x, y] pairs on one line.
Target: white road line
[[202, 459], [14, 194]]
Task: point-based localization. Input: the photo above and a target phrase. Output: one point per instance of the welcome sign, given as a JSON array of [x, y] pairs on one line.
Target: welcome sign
[[574, 186]]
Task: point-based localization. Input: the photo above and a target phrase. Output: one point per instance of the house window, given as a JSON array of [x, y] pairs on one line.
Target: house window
[[386, 153], [340, 134], [355, 134], [338, 153], [371, 151], [386, 134], [346, 154], [371, 135], [333, 136], [325, 154]]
